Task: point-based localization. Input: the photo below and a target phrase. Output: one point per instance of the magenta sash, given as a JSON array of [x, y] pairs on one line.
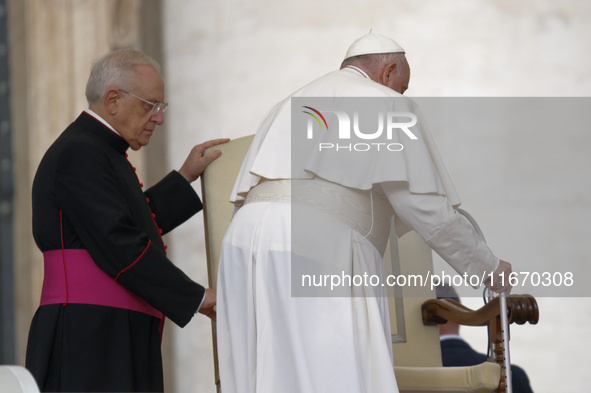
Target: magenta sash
[[84, 282]]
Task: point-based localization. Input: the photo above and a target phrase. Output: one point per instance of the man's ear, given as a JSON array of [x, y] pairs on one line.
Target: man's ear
[[388, 73], [111, 101]]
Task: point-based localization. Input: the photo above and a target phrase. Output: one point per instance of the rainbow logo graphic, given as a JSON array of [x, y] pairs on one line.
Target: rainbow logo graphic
[[315, 117]]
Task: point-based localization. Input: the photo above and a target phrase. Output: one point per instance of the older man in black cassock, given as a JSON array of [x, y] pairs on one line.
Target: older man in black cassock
[[108, 283]]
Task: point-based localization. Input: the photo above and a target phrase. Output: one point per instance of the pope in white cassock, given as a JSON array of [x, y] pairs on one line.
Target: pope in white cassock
[[272, 342]]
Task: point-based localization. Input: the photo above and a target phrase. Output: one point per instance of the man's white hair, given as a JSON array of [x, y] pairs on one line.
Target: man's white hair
[[115, 69]]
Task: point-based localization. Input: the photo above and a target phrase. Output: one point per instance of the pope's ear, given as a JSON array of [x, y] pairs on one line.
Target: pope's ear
[[111, 101], [389, 72]]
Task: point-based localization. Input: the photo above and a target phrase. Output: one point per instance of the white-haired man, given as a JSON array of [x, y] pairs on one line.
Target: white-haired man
[[108, 283]]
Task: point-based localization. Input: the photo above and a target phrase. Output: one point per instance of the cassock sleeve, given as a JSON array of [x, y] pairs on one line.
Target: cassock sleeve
[[168, 210], [446, 231], [102, 214]]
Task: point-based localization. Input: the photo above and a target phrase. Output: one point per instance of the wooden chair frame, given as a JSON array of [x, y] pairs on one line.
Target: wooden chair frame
[[520, 309]]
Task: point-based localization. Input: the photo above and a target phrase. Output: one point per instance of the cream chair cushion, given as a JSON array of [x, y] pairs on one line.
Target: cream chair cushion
[[482, 378]]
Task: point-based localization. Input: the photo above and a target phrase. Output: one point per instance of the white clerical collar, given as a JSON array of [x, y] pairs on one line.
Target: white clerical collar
[[359, 70], [93, 114]]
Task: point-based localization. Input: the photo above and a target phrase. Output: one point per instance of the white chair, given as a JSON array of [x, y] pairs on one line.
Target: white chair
[[17, 379], [414, 316], [415, 313]]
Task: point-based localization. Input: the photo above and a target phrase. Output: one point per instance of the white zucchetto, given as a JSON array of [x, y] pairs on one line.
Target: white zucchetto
[[372, 43]]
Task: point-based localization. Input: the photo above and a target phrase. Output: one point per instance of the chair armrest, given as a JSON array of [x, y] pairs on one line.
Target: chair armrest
[[520, 309]]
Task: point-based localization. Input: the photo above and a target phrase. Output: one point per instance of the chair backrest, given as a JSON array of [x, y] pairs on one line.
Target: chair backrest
[[409, 259], [217, 183], [17, 379]]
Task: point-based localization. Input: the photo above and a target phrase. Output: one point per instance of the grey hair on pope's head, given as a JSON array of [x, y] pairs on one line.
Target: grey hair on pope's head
[[373, 63], [116, 68]]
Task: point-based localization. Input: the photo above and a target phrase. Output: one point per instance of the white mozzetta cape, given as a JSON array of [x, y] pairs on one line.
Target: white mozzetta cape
[[421, 167], [270, 155]]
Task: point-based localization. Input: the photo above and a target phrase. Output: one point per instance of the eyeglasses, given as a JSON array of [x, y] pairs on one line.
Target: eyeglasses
[[156, 106]]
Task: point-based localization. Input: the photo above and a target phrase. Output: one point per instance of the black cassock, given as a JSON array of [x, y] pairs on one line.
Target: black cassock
[[86, 194]]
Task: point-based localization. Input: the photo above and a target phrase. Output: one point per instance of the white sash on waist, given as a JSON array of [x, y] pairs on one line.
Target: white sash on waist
[[366, 211]]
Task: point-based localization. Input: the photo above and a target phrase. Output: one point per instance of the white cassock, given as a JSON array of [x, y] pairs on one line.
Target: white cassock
[[272, 342]]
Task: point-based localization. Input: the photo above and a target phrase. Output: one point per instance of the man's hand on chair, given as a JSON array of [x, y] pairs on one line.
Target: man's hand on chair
[[197, 161], [208, 306]]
